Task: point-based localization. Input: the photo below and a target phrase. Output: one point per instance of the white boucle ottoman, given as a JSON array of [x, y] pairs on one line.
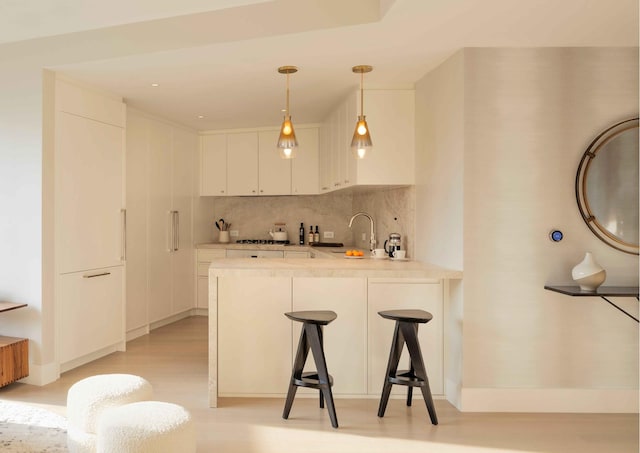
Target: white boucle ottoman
[[87, 399], [146, 427]]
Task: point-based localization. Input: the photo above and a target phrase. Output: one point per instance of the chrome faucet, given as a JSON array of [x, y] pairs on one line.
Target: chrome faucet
[[372, 240]]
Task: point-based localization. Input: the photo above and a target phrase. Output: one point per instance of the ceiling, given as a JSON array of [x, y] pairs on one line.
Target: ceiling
[[219, 58]]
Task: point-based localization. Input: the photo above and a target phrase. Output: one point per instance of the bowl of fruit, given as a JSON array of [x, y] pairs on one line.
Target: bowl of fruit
[[354, 254]]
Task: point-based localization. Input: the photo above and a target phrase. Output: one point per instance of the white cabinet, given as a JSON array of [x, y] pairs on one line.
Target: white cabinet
[[203, 260], [247, 163], [254, 336], [274, 173], [213, 165], [304, 168], [400, 294], [242, 163], [390, 115], [92, 313], [89, 222], [348, 298], [184, 145], [89, 193], [161, 218]]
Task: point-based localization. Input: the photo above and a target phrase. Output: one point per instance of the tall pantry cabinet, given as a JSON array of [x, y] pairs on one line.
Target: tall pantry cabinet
[[160, 188], [89, 223]]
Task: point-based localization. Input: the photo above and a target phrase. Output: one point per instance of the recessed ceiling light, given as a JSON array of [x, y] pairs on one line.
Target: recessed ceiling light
[[155, 84], [200, 116]]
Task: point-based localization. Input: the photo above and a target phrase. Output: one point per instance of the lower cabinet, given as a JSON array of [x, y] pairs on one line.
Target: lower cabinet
[[254, 336], [203, 260], [91, 312], [392, 294], [257, 343], [348, 298]]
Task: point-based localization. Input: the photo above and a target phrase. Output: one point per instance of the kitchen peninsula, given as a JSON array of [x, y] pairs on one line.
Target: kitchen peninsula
[[251, 342]]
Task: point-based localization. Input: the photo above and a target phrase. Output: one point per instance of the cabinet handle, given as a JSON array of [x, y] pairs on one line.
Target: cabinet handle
[[123, 252], [222, 191], [176, 230], [170, 231], [261, 190], [102, 274]]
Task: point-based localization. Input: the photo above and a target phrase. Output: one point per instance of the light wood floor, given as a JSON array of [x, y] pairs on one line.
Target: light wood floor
[[174, 359]]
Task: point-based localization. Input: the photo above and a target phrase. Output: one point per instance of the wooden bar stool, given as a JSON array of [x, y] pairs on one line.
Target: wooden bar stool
[[406, 331], [311, 338]]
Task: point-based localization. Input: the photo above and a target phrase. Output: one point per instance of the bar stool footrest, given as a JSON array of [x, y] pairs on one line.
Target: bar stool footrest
[[310, 380], [406, 377]]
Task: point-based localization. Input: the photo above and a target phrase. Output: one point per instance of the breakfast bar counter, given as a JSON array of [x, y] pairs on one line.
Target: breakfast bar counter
[[251, 342], [329, 267]]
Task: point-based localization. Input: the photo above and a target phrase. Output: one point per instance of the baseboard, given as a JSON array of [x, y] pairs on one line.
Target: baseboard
[[71, 364], [550, 400], [42, 374], [138, 332], [171, 319]]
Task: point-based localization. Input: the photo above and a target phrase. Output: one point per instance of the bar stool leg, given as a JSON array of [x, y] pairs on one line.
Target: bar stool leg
[[314, 334], [410, 388], [416, 359], [392, 367], [298, 365]]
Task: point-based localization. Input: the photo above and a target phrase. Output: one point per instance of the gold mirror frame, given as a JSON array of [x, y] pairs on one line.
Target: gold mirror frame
[[595, 224]]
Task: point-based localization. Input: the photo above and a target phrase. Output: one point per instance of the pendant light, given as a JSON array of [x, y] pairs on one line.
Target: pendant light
[[361, 142], [287, 142]]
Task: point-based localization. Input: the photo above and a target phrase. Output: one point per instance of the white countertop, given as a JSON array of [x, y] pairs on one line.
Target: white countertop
[[328, 267]]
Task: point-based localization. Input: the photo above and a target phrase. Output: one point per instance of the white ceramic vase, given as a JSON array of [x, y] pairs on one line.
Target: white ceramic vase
[[588, 274]]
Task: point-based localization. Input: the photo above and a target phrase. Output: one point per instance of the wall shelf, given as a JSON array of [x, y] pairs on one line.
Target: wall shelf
[[603, 292]]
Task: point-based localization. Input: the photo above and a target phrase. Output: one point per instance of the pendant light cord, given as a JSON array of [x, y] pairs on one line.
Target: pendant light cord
[[287, 113], [361, 94]]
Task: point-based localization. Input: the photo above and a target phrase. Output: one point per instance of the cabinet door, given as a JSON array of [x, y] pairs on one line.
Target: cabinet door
[[185, 146], [348, 298], [391, 118], [159, 221], [401, 294], [325, 157], [274, 173], [349, 161], [304, 168], [242, 163], [91, 312], [213, 165], [137, 145], [336, 156], [89, 193], [254, 341]]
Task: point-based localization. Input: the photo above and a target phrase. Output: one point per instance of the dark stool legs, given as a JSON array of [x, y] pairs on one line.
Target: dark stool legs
[[406, 332], [311, 339]]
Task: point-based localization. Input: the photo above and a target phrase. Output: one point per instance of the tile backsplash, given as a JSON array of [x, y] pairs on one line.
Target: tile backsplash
[[393, 211]]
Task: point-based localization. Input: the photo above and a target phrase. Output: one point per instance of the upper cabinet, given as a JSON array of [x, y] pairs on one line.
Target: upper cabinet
[[247, 163], [304, 168], [391, 118], [274, 173], [242, 163], [213, 164]]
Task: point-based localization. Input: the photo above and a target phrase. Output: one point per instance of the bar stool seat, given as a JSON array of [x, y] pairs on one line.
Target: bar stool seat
[[406, 332], [311, 338]]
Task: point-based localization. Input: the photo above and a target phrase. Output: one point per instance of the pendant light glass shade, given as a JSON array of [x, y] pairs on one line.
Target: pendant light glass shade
[[287, 142], [361, 142]]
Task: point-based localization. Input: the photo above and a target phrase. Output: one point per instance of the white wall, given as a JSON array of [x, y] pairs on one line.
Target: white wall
[[529, 114], [439, 200]]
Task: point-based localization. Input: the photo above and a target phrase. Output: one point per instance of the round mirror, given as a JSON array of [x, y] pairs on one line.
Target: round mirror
[[607, 186]]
